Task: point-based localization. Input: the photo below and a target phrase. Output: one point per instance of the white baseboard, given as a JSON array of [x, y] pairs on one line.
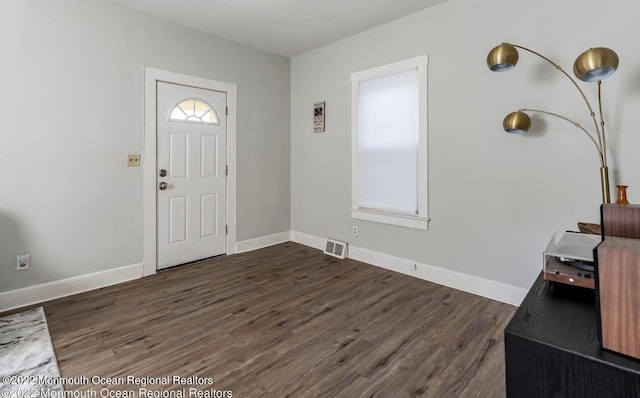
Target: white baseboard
[[473, 284], [308, 240], [66, 287], [468, 283], [263, 241]]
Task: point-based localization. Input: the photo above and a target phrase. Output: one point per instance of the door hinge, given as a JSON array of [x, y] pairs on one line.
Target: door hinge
[[227, 110], [226, 170], [226, 229]]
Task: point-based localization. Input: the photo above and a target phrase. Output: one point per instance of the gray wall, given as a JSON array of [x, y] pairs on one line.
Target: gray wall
[[71, 106], [495, 199]]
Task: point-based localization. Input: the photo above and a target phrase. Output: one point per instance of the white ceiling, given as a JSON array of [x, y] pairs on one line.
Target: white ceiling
[[285, 27]]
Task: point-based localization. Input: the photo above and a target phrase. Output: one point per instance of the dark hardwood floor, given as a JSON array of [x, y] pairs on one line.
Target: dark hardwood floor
[[286, 321]]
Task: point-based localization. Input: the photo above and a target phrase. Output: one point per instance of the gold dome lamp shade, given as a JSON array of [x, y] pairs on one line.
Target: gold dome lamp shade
[[516, 123], [595, 64], [502, 58]]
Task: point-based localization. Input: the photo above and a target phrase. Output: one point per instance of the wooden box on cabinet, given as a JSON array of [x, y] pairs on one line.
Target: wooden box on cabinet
[[620, 220], [618, 294]]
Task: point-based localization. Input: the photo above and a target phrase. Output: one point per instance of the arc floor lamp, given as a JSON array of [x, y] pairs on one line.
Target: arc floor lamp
[[593, 65]]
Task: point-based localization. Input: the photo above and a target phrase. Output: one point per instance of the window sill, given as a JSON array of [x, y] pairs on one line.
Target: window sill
[[414, 222]]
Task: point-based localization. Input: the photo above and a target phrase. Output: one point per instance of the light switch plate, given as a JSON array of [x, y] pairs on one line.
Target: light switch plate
[[133, 159]]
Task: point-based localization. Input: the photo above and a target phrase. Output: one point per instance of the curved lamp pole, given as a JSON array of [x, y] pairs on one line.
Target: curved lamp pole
[[593, 65]]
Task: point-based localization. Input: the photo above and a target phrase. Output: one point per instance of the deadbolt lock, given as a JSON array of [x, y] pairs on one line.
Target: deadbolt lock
[[163, 173]]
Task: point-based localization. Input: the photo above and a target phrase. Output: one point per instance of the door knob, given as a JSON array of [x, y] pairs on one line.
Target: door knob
[[163, 173], [162, 186]]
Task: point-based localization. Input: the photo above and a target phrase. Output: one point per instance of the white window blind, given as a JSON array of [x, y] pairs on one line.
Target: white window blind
[[388, 143]]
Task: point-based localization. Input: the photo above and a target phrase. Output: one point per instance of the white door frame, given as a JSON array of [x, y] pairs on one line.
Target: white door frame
[[149, 164]]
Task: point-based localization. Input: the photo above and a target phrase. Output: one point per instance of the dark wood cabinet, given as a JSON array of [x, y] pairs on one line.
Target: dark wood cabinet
[[552, 349]]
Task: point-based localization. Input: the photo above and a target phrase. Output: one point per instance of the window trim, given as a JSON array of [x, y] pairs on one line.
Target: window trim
[[420, 220]]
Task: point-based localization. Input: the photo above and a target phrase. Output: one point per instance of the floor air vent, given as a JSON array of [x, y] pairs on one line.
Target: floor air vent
[[335, 248]]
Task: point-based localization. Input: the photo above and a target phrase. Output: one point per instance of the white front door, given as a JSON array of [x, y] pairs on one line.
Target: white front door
[[191, 175]]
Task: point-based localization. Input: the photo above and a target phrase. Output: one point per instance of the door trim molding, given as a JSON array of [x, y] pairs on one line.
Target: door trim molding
[[149, 164]]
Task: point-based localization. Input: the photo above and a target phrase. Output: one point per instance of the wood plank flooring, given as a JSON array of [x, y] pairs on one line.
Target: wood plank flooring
[[286, 321]]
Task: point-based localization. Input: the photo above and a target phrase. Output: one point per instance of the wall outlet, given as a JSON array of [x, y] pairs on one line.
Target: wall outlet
[[22, 262], [133, 160], [354, 230]]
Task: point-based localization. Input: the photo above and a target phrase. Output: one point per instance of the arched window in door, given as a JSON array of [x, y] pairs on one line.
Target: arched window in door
[[192, 110]]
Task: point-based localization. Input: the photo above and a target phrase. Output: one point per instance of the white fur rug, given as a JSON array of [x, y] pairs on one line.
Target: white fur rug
[[27, 361]]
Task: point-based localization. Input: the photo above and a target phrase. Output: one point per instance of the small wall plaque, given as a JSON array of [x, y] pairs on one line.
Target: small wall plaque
[[318, 117]]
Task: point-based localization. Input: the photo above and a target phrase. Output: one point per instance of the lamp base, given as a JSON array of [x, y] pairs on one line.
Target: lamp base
[[604, 183]]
